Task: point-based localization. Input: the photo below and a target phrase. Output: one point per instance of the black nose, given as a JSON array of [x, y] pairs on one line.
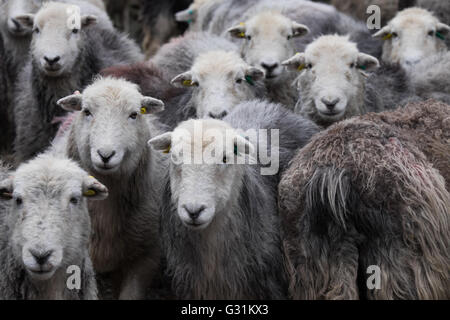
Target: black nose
[[41, 257], [218, 116], [106, 156], [194, 211], [52, 61], [330, 104], [269, 66]]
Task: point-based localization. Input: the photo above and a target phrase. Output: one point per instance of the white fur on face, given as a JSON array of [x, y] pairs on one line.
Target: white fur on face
[[111, 125], [411, 37], [51, 215], [219, 83], [15, 8], [207, 189]]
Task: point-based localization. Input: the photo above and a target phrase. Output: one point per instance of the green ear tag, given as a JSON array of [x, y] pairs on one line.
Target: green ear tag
[[362, 67], [235, 150], [440, 35], [191, 12], [388, 36], [249, 80]]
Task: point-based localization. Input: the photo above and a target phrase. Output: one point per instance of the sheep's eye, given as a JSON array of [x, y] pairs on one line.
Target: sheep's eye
[[36, 30], [225, 159], [19, 201], [394, 34], [74, 200], [308, 66], [431, 33], [87, 113], [239, 81], [75, 31], [289, 37], [249, 37], [133, 115], [352, 65]]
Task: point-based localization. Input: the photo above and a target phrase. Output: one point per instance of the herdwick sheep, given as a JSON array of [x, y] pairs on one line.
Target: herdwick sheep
[[335, 83], [4, 172], [44, 236], [109, 139], [362, 196], [159, 23], [6, 123], [411, 36], [62, 60], [219, 221]]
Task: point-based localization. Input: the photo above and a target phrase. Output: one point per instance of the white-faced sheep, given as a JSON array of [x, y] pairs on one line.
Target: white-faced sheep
[[411, 36], [6, 122], [109, 138], [362, 196], [219, 221], [334, 81], [44, 235], [62, 60]]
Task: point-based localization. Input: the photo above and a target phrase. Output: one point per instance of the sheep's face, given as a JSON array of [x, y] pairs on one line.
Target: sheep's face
[[56, 42], [268, 40], [205, 177], [331, 76], [411, 36], [48, 214], [111, 130], [11, 9], [220, 80]]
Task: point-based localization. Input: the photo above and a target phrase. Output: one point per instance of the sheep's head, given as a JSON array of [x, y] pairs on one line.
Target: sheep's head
[[412, 35], [331, 77], [57, 37], [111, 130], [12, 9], [268, 40], [220, 80], [48, 214], [205, 174]]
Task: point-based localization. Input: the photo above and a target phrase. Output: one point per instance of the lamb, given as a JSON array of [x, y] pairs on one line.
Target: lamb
[[44, 235], [219, 221], [411, 36], [62, 60], [335, 83], [108, 138], [363, 194]]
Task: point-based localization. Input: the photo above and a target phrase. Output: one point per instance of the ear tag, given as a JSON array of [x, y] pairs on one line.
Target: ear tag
[[235, 150], [191, 12], [388, 36], [241, 35], [249, 80], [187, 83], [362, 67], [89, 193], [189, 21], [440, 35], [301, 67], [143, 110], [167, 150]]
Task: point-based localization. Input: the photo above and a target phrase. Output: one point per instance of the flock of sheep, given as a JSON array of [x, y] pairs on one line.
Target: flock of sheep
[[91, 174]]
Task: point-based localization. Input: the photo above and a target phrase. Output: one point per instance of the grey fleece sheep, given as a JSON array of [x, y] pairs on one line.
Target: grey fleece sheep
[[6, 123], [44, 234], [62, 60], [336, 81], [109, 140], [364, 193]]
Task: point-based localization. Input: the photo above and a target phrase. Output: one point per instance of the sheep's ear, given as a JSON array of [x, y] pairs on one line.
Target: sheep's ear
[[183, 80], [92, 189], [253, 74], [87, 21], [26, 19], [297, 62], [71, 103], [366, 62], [162, 142], [6, 189], [188, 15], [151, 105], [385, 33], [442, 29], [299, 30], [238, 31]]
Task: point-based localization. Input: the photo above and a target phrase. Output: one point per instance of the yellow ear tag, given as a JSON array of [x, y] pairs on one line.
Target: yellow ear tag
[[241, 35], [301, 67], [242, 23], [187, 83], [167, 150], [90, 193], [388, 36], [143, 110]]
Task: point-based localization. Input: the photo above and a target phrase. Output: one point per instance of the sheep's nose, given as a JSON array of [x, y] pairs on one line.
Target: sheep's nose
[[52, 60], [269, 66], [330, 103], [194, 211], [41, 257], [106, 155], [218, 116]]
